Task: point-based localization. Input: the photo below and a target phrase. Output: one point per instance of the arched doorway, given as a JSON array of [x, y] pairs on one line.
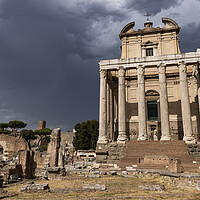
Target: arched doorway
[[152, 107]]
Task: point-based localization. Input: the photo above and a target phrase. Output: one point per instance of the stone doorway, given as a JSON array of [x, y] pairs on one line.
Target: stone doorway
[[152, 108]]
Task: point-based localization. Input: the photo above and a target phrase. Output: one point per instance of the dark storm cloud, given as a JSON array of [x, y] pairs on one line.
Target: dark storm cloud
[[189, 40], [48, 58], [49, 53], [152, 6]]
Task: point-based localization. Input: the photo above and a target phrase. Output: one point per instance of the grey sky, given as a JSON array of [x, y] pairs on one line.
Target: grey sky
[[49, 52]]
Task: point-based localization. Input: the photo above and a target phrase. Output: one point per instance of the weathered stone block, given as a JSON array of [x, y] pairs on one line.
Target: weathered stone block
[[198, 185], [94, 187], [35, 188], [153, 187]]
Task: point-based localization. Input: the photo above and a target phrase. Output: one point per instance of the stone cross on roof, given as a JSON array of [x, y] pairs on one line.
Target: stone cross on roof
[[147, 15]]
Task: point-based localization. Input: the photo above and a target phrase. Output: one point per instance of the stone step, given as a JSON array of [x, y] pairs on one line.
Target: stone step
[[136, 151]]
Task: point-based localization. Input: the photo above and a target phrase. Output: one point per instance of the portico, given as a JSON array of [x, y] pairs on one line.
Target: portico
[[150, 96]]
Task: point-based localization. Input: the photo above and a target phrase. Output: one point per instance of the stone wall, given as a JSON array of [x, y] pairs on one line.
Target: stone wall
[[109, 153], [41, 159], [53, 147], [26, 159], [12, 145], [176, 179]]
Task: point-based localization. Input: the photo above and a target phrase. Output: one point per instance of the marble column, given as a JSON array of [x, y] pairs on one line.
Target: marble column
[[103, 108], [185, 105], [141, 104], [164, 112], [195, 74], [111, 113], [122, 137], [108, 112]]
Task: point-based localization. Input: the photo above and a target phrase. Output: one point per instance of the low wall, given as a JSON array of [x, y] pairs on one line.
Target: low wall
[[12, 145], [176, 179]]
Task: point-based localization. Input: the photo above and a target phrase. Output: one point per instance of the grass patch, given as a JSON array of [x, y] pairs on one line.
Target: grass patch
[[117, 188]]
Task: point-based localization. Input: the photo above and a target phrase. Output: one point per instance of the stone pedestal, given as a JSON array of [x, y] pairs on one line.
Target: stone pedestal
[[185, 105], [141, 104], [122, 137], [164, 113], [101, 153], [175, 165], [103, 108]]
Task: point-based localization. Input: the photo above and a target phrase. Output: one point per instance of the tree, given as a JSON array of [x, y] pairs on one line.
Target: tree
[[86, 135], [15, 125], [43, 133], [2, 131], [28, 135], [94, 130], [4, 126]]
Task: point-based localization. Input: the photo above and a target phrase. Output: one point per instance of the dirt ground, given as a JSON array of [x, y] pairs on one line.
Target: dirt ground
[[118, 187]]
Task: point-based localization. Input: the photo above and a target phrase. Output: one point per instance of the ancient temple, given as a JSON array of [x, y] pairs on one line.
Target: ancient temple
[[151, 92]]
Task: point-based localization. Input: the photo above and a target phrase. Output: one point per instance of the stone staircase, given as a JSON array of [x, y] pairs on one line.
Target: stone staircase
[[136, 151]]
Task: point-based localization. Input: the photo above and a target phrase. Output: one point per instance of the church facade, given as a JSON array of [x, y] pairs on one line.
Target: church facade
[[151, 92]]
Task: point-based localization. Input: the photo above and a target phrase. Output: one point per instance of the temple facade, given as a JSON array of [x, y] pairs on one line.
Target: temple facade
[[151, 92]]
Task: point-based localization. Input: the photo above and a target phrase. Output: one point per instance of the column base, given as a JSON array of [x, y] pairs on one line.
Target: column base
[[122, 139], [189, 140], [142, 138], [165, 138], [102, 141]]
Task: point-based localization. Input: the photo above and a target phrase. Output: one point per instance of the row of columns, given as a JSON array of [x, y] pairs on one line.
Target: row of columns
[[104, 119]]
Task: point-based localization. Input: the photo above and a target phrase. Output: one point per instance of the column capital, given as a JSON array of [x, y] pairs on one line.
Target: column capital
[[182, 67], [121, 72], [195, 70], [140, 69], [103, 73], [162, 68]]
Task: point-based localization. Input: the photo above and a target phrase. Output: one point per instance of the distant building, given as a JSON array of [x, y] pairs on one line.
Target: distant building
[[41, 124]]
